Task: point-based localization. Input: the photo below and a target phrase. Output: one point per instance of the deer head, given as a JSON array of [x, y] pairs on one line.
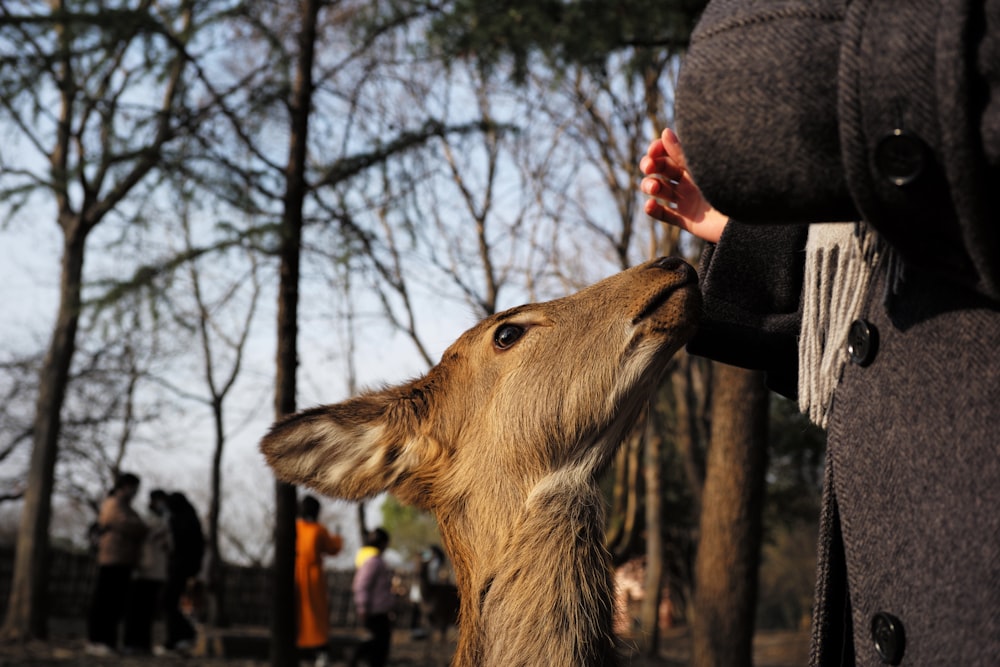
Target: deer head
[[503, 441]]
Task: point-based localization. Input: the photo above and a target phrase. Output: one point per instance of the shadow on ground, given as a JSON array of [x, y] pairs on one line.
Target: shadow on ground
[[66, 649]]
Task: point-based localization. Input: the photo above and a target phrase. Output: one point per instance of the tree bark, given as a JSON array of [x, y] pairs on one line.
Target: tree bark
[[650, 613], [729, 547], [686, 431], [27, 609], [629, 522], [216, 567], [283, 630]]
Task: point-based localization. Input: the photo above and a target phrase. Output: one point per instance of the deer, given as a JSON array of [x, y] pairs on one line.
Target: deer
[[504, 441]]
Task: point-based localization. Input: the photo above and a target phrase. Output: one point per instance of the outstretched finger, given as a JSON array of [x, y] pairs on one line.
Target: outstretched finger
[[672, 148], [656, 210], [656, 149], [656, 159]]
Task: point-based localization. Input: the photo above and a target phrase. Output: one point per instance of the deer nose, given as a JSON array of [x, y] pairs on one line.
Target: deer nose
[[674, 264]]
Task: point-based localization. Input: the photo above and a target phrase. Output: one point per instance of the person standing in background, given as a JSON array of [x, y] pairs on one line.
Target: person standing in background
[[150, 577], [121, 533], [185, 564], [373, 601], [312, 542]]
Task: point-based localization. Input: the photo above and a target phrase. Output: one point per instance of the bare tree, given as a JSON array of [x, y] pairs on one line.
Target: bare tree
[[18, 376], [221, 319], [68, 84], [289, 254], [104, 407]]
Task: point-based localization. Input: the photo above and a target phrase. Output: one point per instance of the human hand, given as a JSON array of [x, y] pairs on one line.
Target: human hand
[[675, 199]]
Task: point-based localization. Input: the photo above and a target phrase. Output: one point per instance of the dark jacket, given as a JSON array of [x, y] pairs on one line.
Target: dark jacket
[[187, 536], [910, 527], [884, 111], [800, 112]]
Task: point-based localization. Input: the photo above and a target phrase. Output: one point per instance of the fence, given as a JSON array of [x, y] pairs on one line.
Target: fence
[[247, 595]]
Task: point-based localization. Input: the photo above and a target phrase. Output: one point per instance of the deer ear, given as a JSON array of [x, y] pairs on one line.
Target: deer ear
[[353, 450]]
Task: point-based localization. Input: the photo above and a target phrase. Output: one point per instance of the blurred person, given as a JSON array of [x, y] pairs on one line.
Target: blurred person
[[373, 601], [121, 532], [364, 553], [150, 577], [312, 542], [184, 565]]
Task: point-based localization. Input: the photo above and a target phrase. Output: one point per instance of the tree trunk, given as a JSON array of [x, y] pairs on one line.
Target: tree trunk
[[283, 630], [216, 568], [27, 608], [616, 513], [729, 548], [630, 512], [650, 613], [686, 431], [362, 524]]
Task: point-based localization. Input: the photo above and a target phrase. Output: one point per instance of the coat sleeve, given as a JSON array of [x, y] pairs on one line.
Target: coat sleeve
[[752, 284]]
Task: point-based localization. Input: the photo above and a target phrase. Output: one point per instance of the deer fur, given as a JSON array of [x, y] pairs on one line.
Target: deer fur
[[503, 441]]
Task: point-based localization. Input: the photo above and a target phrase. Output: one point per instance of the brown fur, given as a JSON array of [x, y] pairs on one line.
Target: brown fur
[[504, 446]]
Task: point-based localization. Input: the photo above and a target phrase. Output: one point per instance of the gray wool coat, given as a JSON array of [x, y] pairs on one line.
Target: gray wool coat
[[803, 112]]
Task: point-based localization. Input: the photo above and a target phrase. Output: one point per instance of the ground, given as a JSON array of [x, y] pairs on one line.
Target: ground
[[65, 649]]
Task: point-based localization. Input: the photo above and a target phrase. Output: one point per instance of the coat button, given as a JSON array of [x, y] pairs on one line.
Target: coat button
[[889, 638], [900, 157], [862, 342]]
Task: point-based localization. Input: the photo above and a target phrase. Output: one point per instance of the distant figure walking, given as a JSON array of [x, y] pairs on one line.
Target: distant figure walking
[[185, 564], [312, 542], [121, 533], [150, 577], [373, 602]]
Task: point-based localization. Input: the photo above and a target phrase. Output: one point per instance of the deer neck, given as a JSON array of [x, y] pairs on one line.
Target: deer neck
[[542, 594]]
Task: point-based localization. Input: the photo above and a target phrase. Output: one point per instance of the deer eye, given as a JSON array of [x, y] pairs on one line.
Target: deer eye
[[506, 335]]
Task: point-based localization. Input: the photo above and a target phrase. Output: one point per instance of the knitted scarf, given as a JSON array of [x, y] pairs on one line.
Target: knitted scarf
[[840, 259]]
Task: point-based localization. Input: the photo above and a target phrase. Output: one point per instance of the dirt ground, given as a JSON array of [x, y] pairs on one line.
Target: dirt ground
[[66, 649]]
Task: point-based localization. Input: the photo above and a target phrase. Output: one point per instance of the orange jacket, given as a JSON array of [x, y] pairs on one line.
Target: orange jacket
[[312, 542]]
